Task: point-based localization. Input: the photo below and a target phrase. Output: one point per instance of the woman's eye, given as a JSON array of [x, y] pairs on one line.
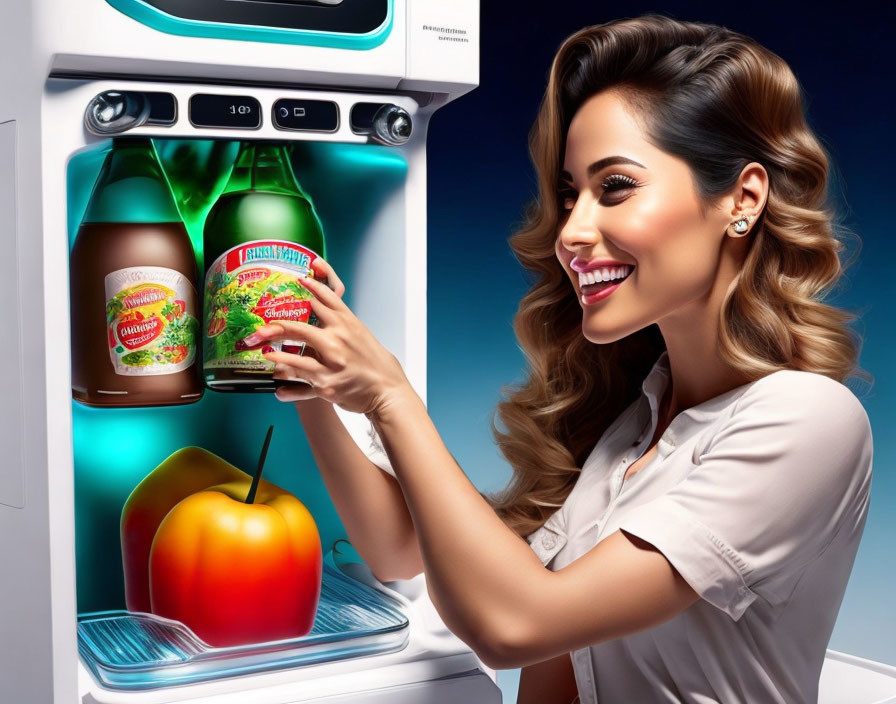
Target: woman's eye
[[567, 196], [618, 182]]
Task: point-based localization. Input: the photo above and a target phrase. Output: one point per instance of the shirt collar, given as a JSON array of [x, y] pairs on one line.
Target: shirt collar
[[653, 388], [654, 385]]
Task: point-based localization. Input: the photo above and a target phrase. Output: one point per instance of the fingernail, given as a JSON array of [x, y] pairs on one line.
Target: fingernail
[[252, 339], [267, 349]]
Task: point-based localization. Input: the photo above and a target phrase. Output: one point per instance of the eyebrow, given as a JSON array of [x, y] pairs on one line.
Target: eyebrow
[[602, 164]]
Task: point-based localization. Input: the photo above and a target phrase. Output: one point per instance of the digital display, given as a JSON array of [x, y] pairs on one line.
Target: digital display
[[229, 111], [310, 115], [312, 2], [343, 17]]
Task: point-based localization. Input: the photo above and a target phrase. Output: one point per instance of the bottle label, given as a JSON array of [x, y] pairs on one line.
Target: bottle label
[[151, 320], [249, 286]]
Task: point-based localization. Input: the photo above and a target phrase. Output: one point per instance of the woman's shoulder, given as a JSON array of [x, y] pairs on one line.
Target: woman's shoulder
[[811, 431], [818, 400]]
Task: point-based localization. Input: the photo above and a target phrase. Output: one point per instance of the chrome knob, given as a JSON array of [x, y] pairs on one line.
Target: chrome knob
[[392, 125], [113, 112]]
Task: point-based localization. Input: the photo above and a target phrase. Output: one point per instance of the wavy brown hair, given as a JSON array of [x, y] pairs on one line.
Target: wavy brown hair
[[718, 100]]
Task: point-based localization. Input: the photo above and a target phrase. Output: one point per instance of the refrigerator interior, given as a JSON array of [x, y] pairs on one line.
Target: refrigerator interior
[[115, 448], [377, 638]]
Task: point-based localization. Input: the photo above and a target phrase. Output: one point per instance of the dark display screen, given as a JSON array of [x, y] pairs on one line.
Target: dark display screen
[[310, 2], [208, 110], [344, 17]]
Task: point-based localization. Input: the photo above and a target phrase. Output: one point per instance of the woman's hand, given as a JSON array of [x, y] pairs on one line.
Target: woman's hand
[[349, 366]]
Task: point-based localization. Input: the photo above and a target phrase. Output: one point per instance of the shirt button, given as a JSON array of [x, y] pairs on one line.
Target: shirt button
[[548, 542]]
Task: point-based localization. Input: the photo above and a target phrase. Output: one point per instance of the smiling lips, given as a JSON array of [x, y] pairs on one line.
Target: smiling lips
[[596, 276], [581, 265], [599, 275]]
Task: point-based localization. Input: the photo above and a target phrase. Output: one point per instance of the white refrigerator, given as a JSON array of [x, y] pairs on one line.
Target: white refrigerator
[[349, 86]]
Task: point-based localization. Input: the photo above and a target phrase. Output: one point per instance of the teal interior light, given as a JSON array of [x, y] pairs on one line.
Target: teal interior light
[[115, 448]]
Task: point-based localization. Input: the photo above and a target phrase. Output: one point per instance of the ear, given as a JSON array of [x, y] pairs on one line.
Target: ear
[[750, 193]]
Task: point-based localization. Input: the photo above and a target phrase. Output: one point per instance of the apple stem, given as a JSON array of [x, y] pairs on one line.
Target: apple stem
[[264, 453]]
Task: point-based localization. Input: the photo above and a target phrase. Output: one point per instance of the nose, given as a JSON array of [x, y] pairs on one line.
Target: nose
[[580, 229]]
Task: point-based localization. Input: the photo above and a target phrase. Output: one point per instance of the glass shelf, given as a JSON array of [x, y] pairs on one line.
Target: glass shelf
[[138, 651]]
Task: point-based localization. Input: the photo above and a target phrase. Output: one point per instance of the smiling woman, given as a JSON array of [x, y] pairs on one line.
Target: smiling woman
[[715, 127], [678, 153], [691, 475], [654, 214]]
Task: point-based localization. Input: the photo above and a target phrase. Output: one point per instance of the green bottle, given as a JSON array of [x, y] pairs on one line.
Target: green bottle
[[259, 238], [134, 313]]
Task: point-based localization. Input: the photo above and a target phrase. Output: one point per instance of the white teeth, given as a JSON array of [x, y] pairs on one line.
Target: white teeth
[[603, 274]]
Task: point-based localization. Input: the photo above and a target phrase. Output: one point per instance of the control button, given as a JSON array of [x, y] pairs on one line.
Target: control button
[[361, 117], [385, 123], [392, 125], [162, 108], [114, 112], [306, 115], [227, 111]]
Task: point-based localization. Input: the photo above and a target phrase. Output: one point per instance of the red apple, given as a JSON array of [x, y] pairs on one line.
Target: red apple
[[237, 572]]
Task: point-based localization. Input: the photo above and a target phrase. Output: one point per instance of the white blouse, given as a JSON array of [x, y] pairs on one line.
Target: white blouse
[[758, 497]]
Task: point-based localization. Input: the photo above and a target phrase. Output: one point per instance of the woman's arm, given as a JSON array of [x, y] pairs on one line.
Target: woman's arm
[[367, 499], [490, 588], [488, 585], [549, 682]]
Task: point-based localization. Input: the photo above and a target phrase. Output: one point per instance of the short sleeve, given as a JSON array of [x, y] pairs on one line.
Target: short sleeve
[[787, 469], [377, 453], [366, 438]]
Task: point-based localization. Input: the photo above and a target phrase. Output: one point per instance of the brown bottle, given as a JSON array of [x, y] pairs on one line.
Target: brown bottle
[[133, 289]]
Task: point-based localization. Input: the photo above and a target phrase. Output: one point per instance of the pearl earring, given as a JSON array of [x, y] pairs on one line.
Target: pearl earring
[[742, 224]]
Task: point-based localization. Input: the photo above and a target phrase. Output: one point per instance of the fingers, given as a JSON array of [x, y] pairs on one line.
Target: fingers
[[288, 330], [294, 368], [299, 392], [297, 366], [323, 293], [322, 270], [324, 313]]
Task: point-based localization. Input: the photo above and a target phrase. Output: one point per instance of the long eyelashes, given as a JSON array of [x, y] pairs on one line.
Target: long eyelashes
[[611, 184]]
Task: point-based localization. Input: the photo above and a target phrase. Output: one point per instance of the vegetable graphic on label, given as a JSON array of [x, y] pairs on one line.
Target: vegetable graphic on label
[[152, 327], [241, 296], [217, 322]]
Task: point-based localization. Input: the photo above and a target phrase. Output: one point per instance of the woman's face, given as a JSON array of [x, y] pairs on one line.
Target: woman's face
[[643, 212]]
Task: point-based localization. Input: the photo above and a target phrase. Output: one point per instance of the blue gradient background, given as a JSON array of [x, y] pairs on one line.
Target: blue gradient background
[[480, 178]]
